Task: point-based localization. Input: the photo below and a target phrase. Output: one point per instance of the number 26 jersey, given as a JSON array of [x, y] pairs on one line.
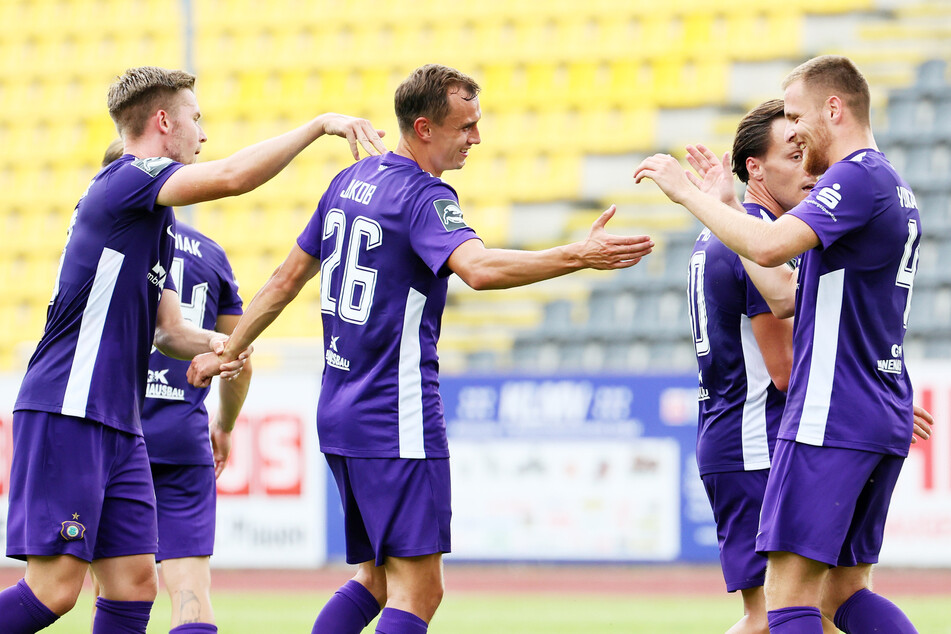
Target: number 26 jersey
[[383, 232]]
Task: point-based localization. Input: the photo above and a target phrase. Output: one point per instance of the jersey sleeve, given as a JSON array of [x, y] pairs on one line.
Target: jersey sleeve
[[437, 227], [137, 184], [841, 202]]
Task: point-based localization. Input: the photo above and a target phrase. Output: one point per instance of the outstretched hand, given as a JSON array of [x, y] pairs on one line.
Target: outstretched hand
[[602, 250], [355, 130], [715, 176], [666, 172]]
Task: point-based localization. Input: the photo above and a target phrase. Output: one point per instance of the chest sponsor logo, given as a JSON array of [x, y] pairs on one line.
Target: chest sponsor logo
[[157, 275], [152, 166], [827, 199], [893, 365], [333, 357], [450, 214], [158, 387]]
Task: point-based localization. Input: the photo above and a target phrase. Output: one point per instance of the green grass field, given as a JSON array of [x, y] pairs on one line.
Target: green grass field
[[270, 613]]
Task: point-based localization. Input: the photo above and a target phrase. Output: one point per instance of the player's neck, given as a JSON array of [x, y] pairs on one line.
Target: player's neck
[[144, 148], [406, 149], [860, 138], [757, 193]]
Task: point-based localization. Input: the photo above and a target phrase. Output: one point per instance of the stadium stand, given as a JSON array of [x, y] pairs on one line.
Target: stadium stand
[[574, 93]]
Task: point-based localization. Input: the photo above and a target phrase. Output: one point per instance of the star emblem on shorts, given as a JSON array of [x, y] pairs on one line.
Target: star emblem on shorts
[[75, 516]]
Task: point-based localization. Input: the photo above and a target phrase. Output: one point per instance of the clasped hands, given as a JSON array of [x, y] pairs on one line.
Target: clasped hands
[[207, 365]]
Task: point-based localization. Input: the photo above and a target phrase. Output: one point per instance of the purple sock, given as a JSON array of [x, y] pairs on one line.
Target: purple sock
[[194, 628], [394, 621], [795, 620], [866, 611], [349, 610], [21, 612], [121, 617]]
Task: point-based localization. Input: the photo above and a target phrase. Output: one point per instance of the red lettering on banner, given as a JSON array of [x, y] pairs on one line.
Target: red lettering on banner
[[925, 448], [267, 456], [6, 453]]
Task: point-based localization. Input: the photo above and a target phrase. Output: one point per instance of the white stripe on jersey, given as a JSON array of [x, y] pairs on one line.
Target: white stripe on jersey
[[76, 396], [411, 380], [825, 342], [755, 440]]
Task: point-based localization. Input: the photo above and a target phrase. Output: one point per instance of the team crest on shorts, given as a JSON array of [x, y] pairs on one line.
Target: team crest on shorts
[[72, 530]]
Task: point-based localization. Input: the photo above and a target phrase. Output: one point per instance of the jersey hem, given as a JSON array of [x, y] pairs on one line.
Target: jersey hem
[[90, 416], [395, 453], [855, 445]]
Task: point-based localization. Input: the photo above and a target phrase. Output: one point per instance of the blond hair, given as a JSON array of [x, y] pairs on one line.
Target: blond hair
[[835, 75], [140, 92]]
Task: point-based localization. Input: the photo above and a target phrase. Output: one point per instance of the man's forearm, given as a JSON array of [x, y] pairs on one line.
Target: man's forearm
[[183, 341]]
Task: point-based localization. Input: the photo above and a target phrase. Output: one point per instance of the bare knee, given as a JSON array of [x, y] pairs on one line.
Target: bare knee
[[56, 581], [60, 599], [373, 578]]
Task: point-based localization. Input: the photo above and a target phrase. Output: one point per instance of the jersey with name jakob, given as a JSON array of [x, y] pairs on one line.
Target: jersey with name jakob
[[383, 232], [849, 385], [174, 417], [92, 360], [740, 408]]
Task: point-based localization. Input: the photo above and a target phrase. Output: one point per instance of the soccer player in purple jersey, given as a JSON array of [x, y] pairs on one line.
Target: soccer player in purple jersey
[[78, 410], [744, 354], [849, 416], [176, 427], [386, 235]]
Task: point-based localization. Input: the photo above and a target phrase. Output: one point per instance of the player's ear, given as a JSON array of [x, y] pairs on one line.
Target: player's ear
[[833, 108], [422, 128], [162, 120], [754, 168]]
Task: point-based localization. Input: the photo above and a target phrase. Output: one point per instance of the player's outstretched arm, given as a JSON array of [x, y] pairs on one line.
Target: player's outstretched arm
[[282, 287], [179, 339], [231, 396], [254, 165], [766, 244], [483, 268]]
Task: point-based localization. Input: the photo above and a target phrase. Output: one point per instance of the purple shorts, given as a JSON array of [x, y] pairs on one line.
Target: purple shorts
[[393, 507], [826, 503], [185, 497], [736, 498], [79, 488]]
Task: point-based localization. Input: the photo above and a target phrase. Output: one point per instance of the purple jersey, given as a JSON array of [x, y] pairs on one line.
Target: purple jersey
[[740, 408], [849, 387], [174, 417], [383, 232], [92, 359]]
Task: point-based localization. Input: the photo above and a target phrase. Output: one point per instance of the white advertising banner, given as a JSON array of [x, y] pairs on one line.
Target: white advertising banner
[[566, 500], [918, 530], [271, 497]]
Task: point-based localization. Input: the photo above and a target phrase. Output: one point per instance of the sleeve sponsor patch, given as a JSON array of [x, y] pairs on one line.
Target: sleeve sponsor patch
[[450, 214], [153, 166]]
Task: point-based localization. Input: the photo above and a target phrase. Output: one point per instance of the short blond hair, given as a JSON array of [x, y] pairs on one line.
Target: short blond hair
[[835, 75], [140, 92]]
